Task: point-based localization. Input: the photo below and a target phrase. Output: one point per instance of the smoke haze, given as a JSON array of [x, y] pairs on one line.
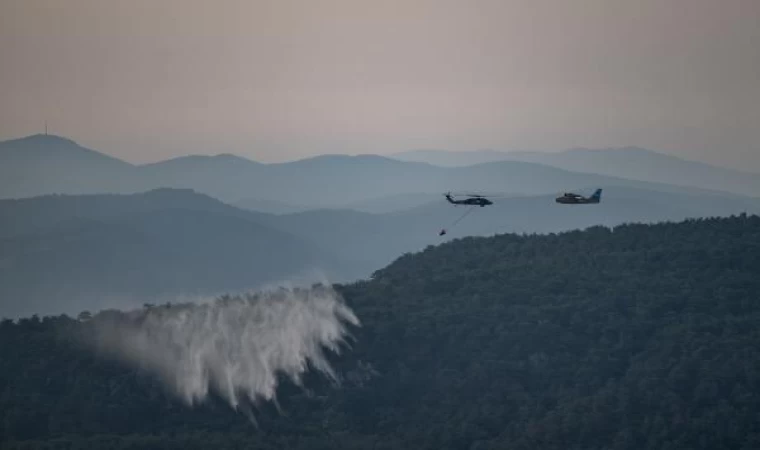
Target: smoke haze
[[236, 346]]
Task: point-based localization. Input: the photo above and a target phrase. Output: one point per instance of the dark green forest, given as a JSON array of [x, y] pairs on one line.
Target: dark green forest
[[633, 337]]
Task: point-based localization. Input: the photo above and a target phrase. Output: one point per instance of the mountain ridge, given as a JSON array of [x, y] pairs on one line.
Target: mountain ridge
[[628, 162], [320, 181]]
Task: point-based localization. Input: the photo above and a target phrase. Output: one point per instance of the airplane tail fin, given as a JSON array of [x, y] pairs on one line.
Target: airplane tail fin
[[597, 196], [448, 197]]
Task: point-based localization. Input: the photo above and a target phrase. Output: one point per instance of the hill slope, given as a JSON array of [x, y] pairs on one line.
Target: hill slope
[[628, 162], [639, 337], [63, 254]]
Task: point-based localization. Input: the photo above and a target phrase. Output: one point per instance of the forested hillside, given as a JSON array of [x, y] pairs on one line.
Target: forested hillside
[[638, 337]]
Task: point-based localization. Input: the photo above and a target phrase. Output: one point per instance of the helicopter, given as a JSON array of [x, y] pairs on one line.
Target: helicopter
[[473, 200], [569, 198]]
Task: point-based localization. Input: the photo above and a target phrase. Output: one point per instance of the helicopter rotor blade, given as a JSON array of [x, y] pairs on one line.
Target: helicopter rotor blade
[[484, 194]]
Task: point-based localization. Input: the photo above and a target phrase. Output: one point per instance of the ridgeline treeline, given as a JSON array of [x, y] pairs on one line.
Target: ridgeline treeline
[[638, 337]]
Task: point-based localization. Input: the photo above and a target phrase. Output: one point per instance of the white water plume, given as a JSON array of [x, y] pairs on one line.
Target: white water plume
[[236, 346]]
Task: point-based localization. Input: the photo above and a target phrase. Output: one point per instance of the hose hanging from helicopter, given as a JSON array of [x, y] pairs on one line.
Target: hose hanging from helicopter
[[466, 213]]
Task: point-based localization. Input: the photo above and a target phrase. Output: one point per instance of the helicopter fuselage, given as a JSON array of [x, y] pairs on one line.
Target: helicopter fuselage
[[474, 201]]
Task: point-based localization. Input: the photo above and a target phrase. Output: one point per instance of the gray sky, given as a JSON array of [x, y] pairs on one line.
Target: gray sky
[[145, 80]]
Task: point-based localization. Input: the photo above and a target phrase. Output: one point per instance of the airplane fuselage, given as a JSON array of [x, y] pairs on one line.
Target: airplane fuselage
[[575, 200], [569, 198]]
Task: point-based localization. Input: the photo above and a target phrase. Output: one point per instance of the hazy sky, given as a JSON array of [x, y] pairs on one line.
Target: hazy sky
[[275, 80]]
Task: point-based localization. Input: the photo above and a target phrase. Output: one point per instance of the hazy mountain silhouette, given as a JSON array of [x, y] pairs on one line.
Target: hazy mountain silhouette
[[226, 177], [56, 165], [268, 206], [62, 253], [39, 214], [627, 162], [393, 203], [42, 164]]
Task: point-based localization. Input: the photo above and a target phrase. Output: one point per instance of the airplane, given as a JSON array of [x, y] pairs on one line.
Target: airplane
[[569, 198], [474, 200]]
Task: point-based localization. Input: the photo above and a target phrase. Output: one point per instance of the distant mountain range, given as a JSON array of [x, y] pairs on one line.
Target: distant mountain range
[[66, 253], [627, 162], [82, 228], [41, 164]]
